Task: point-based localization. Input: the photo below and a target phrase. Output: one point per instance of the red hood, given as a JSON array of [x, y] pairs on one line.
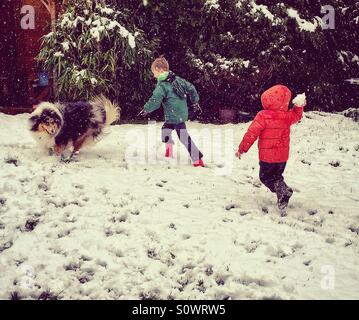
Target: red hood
[[276, 98]]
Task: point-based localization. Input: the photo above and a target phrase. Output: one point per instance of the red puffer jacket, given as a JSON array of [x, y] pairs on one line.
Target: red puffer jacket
[[272, 126]]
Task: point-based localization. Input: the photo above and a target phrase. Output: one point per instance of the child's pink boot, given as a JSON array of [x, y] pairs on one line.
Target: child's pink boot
[[169, 150], [198, 163]]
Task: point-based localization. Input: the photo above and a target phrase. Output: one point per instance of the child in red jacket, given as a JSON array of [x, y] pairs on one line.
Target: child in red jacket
[[272, 126]]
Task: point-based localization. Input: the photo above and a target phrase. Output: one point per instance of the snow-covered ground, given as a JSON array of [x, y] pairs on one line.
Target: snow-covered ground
[[105, 227]]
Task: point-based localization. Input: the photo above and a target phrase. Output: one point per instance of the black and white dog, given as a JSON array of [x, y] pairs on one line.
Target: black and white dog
[[58, 127]]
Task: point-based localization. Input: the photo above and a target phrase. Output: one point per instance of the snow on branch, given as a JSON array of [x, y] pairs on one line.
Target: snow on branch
[[302, 23]]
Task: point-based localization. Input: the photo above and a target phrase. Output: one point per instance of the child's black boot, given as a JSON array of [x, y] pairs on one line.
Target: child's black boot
[[284, 193]]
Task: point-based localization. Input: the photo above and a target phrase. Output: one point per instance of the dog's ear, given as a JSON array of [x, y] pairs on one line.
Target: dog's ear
[[34, 122], [34, 118]]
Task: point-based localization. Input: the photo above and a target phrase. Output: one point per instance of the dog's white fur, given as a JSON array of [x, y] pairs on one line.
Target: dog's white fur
[[112, 110]]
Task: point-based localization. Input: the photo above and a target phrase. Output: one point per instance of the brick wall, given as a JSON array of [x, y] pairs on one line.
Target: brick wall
[[18, 53]]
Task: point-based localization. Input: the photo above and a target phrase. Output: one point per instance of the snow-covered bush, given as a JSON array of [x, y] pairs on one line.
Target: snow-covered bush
[[233, 50], [95, 50]]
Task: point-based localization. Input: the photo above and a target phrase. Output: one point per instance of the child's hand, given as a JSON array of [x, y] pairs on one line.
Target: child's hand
[[238, 155]]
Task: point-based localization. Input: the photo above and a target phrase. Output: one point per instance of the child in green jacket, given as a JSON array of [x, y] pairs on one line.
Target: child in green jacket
[[172, 92]]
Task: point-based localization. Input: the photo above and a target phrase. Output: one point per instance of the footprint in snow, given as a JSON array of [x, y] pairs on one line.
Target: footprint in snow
[[354, 229], [265, 210], [209, 271], [5, 246], [312, 212], [43, 186], [231, 206], [119, 218], [220, 281], [31, 224], [84, 279], [2, 201], [186, 236], [12, 160]]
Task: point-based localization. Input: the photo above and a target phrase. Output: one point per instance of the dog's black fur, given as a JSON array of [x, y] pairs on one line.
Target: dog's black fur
[[77, 119]]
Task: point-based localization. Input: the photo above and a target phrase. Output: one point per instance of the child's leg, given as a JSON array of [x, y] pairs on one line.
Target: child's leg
[[166, 133], [167, 138], [271, 174], [185, 138]]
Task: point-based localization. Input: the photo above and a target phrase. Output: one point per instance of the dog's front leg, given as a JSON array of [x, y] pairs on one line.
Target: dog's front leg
[[59, 149]]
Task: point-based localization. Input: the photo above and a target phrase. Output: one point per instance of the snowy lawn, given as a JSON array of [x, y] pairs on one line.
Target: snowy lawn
[[106, 227]]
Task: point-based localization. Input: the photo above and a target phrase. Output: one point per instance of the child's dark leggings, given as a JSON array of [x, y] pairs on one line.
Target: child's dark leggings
[[184, 137], [271, 174]]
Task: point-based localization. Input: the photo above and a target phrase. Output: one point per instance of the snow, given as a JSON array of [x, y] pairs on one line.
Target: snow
[[58, 54], [265, 11], [79, 75], [66, 21], [96, 32], [97, 26], [302, 23], [131, 41], [212, 4], [107, 10], [106, 227], [65, 45]]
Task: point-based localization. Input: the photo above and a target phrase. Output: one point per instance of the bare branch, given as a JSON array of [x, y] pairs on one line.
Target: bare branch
[[46, 4]]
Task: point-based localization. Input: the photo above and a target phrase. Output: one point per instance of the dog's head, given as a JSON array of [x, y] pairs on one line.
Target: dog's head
[[46, 118]]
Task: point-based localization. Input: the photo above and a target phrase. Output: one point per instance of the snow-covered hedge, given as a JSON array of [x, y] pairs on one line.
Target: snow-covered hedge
[[232, 50], [92, 51]]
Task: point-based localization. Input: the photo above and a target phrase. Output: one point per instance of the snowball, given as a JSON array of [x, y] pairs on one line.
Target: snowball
[[300, 100]]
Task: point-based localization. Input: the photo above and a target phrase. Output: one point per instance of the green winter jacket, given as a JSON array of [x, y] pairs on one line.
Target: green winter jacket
[[172, 92]]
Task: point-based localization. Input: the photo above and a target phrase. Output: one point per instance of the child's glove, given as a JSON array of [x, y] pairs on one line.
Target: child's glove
[[196, 107]]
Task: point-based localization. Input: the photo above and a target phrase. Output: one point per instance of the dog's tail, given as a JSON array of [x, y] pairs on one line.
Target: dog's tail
[[112, 109]]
